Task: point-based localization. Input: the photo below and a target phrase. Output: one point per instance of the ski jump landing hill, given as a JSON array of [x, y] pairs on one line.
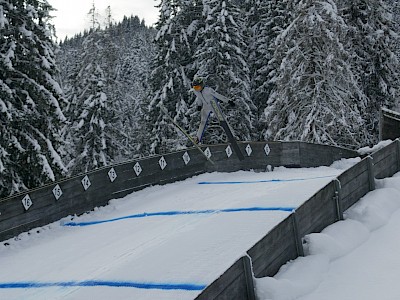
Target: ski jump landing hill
[[83, 193]]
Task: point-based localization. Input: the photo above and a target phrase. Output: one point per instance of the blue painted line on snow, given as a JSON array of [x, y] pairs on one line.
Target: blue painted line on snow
[[177, 213], [264, 181], [95, 283]]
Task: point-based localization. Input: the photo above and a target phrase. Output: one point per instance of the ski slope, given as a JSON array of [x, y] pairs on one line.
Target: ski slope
[[164, 242]]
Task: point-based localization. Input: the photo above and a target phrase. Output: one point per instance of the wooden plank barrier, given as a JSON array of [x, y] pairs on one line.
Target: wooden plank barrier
[[389, 124], [318, 212], [235, 284], [276, 248], [354, 183], [385, 161]]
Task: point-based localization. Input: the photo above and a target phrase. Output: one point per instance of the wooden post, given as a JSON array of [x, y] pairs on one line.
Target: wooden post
[[297, 238], [398, 153], [338, 200], [380, 123], [248, 273], [371, 175]]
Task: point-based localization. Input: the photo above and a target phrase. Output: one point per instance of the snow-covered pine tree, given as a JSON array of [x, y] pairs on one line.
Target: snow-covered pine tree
[[68, 59], [273, 16], [221, 57], [172, 71], [252, 12], [137, 51], [30, 113], [94, 16], [372, 41], [315, 95], [7, 171], [109, 62], [94, 129], [128, 50], [395, 9]]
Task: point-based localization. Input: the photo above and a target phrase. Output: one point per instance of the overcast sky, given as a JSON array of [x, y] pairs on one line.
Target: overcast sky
[[72, 17]]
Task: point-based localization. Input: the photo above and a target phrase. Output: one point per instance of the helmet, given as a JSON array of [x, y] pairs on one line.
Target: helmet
[[198, 83]]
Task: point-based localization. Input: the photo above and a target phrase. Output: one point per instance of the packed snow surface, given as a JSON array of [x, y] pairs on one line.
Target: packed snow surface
[[357, 258], [164, 242]]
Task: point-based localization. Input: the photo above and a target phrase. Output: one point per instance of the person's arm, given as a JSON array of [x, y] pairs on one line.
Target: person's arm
[[219, 96]]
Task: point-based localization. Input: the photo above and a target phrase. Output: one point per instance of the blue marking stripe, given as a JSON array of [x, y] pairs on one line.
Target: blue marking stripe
[[264, 181], [95, 283], [177, 213]]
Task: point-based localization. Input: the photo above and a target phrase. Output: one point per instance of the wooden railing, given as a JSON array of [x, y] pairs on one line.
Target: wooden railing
[[389, 124]]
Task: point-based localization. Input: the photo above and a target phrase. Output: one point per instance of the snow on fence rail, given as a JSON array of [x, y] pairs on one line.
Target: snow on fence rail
[[284, 241]]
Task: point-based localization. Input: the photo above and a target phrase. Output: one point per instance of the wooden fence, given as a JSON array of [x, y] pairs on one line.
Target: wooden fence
[[284, 242], [389, 124], [83, 193]]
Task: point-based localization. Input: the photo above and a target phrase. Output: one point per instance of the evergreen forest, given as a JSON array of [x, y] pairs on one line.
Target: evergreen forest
[[297, 70]]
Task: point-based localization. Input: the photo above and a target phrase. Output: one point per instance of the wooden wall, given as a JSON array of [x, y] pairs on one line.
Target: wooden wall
[[389, 125]]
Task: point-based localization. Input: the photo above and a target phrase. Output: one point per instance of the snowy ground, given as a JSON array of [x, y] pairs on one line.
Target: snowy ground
[[165, 242], [353, 259]]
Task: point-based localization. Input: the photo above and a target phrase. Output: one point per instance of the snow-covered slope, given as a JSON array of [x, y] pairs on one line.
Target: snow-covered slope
[[165, 242]]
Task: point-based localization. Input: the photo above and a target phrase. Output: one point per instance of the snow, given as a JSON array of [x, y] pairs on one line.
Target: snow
[[369, 150], [46, 169], [25, 32], [3, 19], [169, 242], [337, 239], [164, 242], [352, 259], [9, 56], [54, 84], [3, 153]]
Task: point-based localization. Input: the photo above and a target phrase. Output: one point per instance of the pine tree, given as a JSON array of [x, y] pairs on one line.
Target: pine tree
[[134, 73], [316, 94], [30, 112], [94, 129], [273, 16], [68, 58], [372, 40], [221, 58], [395, 9], [125, 51], [172, 71], [7, 172], [94, 17]]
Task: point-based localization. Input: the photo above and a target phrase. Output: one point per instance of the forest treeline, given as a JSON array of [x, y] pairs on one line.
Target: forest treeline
[[315, 71]]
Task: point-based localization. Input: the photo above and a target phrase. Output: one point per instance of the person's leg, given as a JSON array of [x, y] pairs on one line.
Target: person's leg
[[205, 114]]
